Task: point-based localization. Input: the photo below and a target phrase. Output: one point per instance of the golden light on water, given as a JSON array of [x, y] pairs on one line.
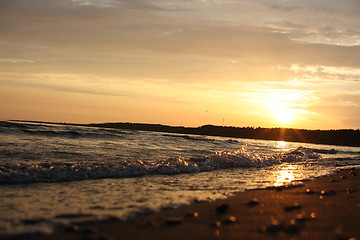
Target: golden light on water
[[281, 144], [284, 176]]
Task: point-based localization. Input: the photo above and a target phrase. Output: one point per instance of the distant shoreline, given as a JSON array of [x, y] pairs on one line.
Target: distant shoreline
[[343, 137]]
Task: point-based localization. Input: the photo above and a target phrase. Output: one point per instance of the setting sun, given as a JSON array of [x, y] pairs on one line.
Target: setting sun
[[284, 106], [283, 115]]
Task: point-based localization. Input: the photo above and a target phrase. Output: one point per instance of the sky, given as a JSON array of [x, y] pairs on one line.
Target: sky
[[257, 63]]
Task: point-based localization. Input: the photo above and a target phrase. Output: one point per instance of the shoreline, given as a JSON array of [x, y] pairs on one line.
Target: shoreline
[[327, 207], [339, 137]]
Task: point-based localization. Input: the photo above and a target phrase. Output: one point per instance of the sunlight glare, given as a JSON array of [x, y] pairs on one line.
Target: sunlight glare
[[284, 176], [281, 144], [282, 114], [283, 104]]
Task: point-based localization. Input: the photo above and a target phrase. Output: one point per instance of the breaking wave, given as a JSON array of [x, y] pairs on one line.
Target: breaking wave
[[60, 172]]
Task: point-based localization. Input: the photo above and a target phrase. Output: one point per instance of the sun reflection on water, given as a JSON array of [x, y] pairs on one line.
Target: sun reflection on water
[[286, 175], [281, 144]]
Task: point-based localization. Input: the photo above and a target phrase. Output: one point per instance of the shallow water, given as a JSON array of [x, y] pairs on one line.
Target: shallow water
[[52, 175]]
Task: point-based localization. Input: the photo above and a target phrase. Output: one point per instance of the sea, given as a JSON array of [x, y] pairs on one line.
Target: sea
[[55, 175]]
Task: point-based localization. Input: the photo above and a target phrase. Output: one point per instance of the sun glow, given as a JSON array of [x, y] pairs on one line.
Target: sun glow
[[283, 105], [283, 115]]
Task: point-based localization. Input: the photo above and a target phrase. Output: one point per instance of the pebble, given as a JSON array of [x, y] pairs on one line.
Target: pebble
[[293, 227], [274, 227], [73, 228], [222, 208], [228, 220], [253, 202], [300, 218], [149, 223], [192, 214], [173, 220], [327, 193], [308, 191], [349, 191], [217, 233], [217, 224], [224, 220], [296, 206], [32, 221]]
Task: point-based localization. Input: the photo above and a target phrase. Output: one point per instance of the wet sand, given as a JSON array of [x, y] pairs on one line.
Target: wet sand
[[325, 208]]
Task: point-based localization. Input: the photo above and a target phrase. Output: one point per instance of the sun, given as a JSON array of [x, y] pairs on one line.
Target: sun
[[283, 115], [282, 106]]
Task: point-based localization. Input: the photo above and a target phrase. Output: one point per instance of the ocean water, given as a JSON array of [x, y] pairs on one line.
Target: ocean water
[[52, 176]]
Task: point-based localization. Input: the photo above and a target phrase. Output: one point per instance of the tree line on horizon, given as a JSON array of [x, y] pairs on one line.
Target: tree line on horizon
[[346, 137]]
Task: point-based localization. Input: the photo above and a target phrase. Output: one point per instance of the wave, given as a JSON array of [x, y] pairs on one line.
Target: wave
[[49, 133], [60, 172], [324, 151], [333, 151], [74, 134], [188, 137], [6, 124], [45, 130]]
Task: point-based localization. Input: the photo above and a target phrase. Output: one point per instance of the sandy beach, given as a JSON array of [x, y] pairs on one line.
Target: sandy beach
[[324, 208]]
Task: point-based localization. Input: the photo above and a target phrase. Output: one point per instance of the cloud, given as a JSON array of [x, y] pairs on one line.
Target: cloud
[[97, 3], [17, 60], [96, 32], [66, 88]]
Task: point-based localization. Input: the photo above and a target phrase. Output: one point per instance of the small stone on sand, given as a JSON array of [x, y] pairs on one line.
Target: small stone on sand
[[222, 208], [217, 233], [217, 224], [253, 202], [228, 219], [274, 227], [349, 191], [296, 206], [327, 193], [73, 228], [308, 191], [173, 220], [192, 214], [300, 218]]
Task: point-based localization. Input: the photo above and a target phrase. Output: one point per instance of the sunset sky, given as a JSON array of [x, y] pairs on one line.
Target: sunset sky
[[268, 63]]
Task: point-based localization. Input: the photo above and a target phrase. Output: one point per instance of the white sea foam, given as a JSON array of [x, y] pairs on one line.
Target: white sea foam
[[59, 172]]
